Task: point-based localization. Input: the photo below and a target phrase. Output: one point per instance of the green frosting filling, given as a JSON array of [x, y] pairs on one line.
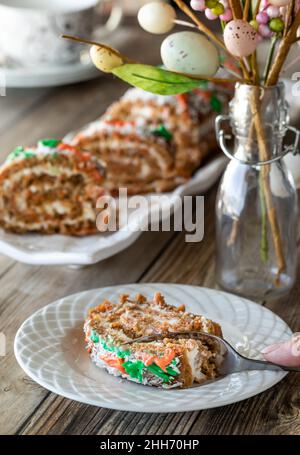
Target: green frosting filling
[[162, 131], [109, 347], [20, 152], [95, 337], [171, 372], [135, 368], [51, 143]]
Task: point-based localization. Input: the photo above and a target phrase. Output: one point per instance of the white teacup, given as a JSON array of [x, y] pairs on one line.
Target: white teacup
[[30, 29]]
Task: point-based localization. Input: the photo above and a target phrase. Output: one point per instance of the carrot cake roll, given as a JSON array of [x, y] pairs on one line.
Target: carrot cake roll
[[50, 189], [153, 143], [166, 363]]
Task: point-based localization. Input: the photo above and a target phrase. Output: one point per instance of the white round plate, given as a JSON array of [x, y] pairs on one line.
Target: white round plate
[[49, 346], [39, 249]]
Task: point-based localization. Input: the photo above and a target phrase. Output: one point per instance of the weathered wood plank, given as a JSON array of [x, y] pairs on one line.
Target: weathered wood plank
[[16, 105]]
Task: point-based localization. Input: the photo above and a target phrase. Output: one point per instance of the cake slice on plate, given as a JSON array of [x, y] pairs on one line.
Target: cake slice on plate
[[50, 189], [166, 363]]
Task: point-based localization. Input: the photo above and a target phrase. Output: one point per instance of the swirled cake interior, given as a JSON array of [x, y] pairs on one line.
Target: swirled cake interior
[[166, 363]]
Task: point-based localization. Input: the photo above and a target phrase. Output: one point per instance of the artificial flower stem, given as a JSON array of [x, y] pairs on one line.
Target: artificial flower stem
[[264, 247], [232, 73], [269, 58]]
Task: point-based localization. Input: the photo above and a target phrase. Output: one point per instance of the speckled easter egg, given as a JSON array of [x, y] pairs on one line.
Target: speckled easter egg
[[240, 38], [190, 53], [104, 59], [279, 2]]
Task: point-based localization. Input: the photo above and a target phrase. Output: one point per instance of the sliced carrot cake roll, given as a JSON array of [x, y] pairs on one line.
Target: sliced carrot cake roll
[[165, 363], [51, 188], [151, 142]]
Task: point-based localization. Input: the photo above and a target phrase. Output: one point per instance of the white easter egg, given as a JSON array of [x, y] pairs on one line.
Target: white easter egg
[[279, 2], [104, 59], [190, 53], [156, 17], [240, 38]]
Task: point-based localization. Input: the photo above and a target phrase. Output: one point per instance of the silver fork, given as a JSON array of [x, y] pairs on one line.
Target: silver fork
[[233, 361]]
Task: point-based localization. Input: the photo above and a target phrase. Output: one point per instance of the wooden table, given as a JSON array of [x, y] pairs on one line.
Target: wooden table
[[26, 408]]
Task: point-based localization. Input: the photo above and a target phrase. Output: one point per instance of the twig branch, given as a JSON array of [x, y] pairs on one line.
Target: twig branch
[[216, 80], [296, 40], [103, 46], [264, 156], [289, 16], [184, 23], [269, 58], [236, 9], [246, 10], [283, 51]]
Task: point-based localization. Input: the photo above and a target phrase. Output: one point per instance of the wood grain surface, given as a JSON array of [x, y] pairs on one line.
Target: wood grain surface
[[26, 408]]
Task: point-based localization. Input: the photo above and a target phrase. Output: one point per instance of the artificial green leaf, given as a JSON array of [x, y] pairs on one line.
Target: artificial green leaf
[[155, 80]]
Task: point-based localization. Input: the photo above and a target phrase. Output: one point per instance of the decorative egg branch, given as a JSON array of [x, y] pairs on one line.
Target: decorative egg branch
[[190, 57], [189, 53]]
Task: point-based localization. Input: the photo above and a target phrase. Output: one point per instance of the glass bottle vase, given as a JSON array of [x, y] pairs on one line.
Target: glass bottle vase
[[256, 208]]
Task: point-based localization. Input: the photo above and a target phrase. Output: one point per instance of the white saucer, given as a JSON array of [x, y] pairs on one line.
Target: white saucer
[[49, 346], [49, 76]]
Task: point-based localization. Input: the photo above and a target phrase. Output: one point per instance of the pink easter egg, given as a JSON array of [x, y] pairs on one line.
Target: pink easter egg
[[227, 15], [210, 15], [273, 11], [265, 31], [264, 4], [198, 5], [279, 2], [262, 18], [240, 38]]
